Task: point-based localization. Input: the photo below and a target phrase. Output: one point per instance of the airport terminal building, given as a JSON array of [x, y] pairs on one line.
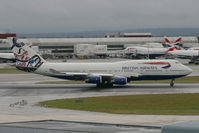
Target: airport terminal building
[[66, 46]]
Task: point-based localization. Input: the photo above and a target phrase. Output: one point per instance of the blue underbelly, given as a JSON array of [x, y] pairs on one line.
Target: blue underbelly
[[156, 77]]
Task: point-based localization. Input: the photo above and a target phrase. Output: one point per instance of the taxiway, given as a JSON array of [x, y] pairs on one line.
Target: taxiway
[[19, 96]]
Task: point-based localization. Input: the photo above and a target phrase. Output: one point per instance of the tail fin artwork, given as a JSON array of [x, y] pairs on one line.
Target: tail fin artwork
[[26, 58], [177, 43], [170, 49], [167, 42], [178, 40]]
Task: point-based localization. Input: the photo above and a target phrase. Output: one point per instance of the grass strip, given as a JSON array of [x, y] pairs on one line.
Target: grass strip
[[154, 104], [10, 71]]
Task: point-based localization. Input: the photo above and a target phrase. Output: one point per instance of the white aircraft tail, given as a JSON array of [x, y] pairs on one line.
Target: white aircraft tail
[[26, 58]]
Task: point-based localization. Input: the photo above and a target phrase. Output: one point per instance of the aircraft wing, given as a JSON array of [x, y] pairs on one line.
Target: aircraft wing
[[93, 77], [75, 76], [57, 73], [82, 76]]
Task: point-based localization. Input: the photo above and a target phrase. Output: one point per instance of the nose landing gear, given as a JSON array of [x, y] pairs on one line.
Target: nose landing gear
[[172, 83]]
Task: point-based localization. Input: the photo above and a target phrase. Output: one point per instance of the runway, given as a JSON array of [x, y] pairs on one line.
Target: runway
[[91, 90], [19, 96]]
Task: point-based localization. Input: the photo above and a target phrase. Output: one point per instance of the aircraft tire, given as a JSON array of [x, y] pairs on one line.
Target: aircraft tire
[[172, 83], [107, 85]]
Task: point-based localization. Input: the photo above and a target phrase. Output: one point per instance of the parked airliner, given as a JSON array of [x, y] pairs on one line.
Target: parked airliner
[[150, 53], [7, 57], [153, 52], [101, 74], [185, 54], [191, 53]]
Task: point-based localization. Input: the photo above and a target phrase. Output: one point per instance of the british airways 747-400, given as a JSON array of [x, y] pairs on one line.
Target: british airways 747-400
[[101, 74]]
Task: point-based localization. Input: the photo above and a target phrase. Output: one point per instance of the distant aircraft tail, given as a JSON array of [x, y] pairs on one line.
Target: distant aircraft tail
[[177, 43], [170, 49], [178, 40], [167, 42], [26, 58]]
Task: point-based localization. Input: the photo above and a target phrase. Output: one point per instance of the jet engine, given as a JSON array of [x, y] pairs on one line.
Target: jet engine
[[94, 79], [120, 80]]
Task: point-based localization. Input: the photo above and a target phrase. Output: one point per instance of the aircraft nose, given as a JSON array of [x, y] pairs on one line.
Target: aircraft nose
[[188, 70]]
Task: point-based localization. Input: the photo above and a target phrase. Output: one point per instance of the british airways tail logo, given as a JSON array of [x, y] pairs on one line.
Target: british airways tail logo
[[166, 64], [177, 43]]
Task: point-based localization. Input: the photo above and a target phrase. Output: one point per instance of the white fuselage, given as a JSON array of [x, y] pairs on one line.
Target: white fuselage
[[194, 48], [138, 68], [145, 50], [185, 53], [101, 74], [7, 55]]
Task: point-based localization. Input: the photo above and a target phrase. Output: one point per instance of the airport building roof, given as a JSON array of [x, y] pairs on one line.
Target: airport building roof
[[4, 36], [66, 45], [109, 35], [115, 41]]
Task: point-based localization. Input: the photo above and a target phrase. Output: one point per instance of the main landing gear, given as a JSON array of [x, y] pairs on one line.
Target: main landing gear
[[172, 83], [104, 84]]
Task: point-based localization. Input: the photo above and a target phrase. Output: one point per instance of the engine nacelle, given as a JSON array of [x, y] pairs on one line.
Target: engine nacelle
[[94, 79], [120, 80]]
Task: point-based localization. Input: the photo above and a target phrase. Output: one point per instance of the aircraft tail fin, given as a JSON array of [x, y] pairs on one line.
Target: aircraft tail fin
[[26, 58], [178, 40], [177, 43], [167, 40], [170, 49]]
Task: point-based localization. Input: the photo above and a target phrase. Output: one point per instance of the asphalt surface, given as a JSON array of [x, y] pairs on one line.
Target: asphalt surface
[[19, 96], [54, 126]]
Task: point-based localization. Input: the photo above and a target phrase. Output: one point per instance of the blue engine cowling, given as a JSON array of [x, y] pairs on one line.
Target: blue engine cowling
[[120, 80], [94, 79]]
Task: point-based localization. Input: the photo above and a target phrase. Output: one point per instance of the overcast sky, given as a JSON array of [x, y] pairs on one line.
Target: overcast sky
[[42, 16]]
